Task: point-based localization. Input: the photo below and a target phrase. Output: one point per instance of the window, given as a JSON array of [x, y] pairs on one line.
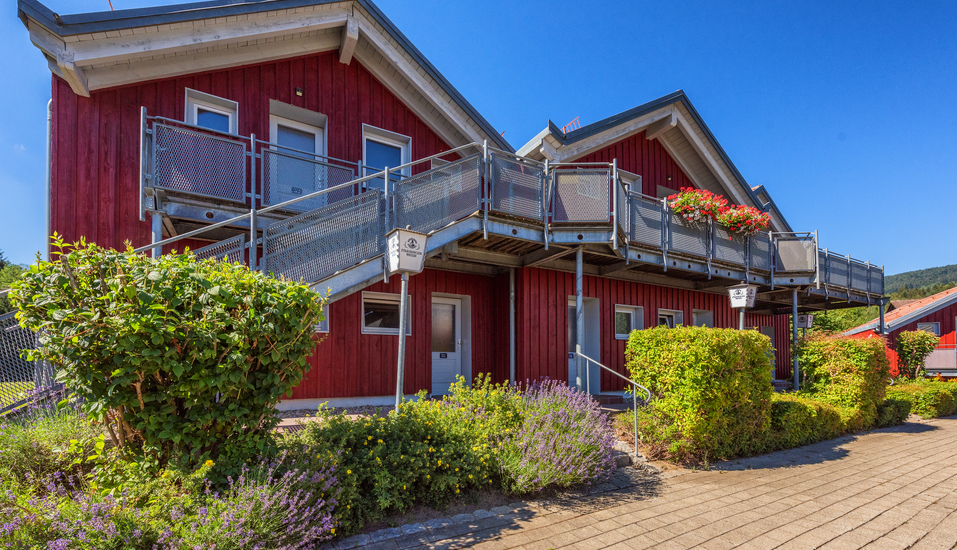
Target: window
[[209, 111], [702, 318], [632, 182], [381, 149], [323, 326], [933, 328], [670, 318], [380, 314], [627, 319]]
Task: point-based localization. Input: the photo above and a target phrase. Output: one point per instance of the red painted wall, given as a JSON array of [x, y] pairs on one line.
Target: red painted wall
[[542, 297], [947, 317], [348, 363], [646, 158], [96, 139]]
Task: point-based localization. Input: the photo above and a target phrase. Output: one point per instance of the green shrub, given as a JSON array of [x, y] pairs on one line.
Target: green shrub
[[798, 420], [712, 388], [8, 274], [929, 398], [913, 347], [850, 373], [184, 360], [893, 411]]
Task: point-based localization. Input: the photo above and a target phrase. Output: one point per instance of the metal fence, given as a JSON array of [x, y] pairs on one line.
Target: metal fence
[[581, 195], [286, 174], [232, 250], [438, 197], [198, 162], [19, 377], [517, 186]]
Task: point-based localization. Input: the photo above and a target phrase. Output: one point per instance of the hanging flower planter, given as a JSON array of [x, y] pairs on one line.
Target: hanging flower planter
[[695, 206], [743, 220]]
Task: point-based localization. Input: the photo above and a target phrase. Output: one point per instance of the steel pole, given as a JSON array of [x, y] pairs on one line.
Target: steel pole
[[882, 326], [403, 315], [157, 219], [511, 325], [579, 319], [741, 318], [794, 339]]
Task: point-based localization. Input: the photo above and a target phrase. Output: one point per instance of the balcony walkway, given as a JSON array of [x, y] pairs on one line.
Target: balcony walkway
[[323, 220]]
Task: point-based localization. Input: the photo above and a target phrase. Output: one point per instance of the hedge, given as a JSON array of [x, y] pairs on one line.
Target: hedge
[[928, 398], [712, 387]]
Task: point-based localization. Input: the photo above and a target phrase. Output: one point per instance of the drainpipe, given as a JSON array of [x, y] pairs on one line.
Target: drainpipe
[[49, 174], [794, 339], [511, 325], [579, 320]]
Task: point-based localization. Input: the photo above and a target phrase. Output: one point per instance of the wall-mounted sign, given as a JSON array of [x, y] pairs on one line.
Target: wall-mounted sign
[[406, 251], [805, 321], [742, 295]]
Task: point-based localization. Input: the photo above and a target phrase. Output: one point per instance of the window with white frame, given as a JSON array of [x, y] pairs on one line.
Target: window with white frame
[[670, 318], [632, 182], [702, 318], [933, 328], [212, 112], [381, 149], [627, 319], [380, 314], [323, 326]]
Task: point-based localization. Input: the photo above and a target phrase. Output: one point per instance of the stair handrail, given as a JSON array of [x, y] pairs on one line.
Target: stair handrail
[[636, 385]]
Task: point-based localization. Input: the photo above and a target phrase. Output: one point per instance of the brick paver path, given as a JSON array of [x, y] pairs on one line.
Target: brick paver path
[[891, 488]]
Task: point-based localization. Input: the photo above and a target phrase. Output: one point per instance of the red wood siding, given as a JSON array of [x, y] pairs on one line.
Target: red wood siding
[[543, 321], [96, 139], [947, 317], [348, 363], [648, 159]]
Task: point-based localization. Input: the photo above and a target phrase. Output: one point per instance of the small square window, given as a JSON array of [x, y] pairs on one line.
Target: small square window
[[211, 112], [381, 149], [323, 326], [933, 328], [702, 318], [670, 318], [380, 314], [627, 319]]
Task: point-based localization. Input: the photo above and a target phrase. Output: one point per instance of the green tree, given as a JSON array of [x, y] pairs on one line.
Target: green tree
[[8, 274], [913, 347]]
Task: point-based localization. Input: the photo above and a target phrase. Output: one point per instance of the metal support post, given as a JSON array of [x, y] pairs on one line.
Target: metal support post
[[614, 204], [253, 222], [741, 318], [388, 205], [488, 189], [546, 198], [157, 219], [403, 316], [511, 325], [794, 339], [579, 319], [882, 326]]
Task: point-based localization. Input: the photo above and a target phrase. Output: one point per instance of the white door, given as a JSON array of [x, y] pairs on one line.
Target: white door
[[572, 340], [446, 343]]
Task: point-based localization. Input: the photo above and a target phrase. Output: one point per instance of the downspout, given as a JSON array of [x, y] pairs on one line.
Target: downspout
[[46, 237], [511, 325], [794, 340]]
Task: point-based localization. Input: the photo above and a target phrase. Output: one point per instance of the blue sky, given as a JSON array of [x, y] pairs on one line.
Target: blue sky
[[845, 111]]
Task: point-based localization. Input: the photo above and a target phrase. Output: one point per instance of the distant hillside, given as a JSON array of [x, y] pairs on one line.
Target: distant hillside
[[921, 278]]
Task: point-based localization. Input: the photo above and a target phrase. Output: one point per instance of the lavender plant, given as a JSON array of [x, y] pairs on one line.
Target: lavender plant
[[565, 439]]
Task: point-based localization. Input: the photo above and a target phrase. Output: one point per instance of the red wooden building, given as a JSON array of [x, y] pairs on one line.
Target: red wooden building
[[294, 134], [936, 314]]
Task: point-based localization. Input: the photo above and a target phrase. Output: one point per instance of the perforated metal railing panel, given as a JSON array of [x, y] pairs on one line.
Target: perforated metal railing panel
[[795, 254], [838, 271], [645, 221], [688, 237], [286, 176], [730, 247], [624, 211], [760, 252], [517, 187], [581, 195], [314, 245], [200, 164], [438, 197], [877, 281], [858, 276], [18, 376], [231, 249]]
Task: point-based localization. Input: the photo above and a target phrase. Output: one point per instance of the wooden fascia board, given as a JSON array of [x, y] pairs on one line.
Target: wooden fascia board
[[568, 153], [60, 59], [350, 37], [710, 161]]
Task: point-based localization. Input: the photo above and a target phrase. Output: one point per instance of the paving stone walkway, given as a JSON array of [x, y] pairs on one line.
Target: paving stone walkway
[[888, 489]]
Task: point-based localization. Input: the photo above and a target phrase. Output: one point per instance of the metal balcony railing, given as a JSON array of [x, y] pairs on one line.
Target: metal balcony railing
[[341, 212]]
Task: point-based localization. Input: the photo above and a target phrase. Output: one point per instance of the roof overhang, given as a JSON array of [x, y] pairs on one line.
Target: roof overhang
[[676, 124], [907, 317], [110, 49]]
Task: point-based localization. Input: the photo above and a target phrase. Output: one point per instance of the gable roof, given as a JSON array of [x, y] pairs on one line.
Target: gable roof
[[554, 135], [911, 311], [117, 23]]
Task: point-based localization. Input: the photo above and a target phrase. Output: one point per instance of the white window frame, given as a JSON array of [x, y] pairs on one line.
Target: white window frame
[[322, 327], [196, 99], [934, 328], [677, 316], [384, 297], [696, 312], [631, 180], [318, 131], [637, 319], [393, 139]]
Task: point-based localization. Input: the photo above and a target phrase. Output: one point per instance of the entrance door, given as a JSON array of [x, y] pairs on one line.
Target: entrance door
[[572, 341], [591, 348], [446, 343]]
